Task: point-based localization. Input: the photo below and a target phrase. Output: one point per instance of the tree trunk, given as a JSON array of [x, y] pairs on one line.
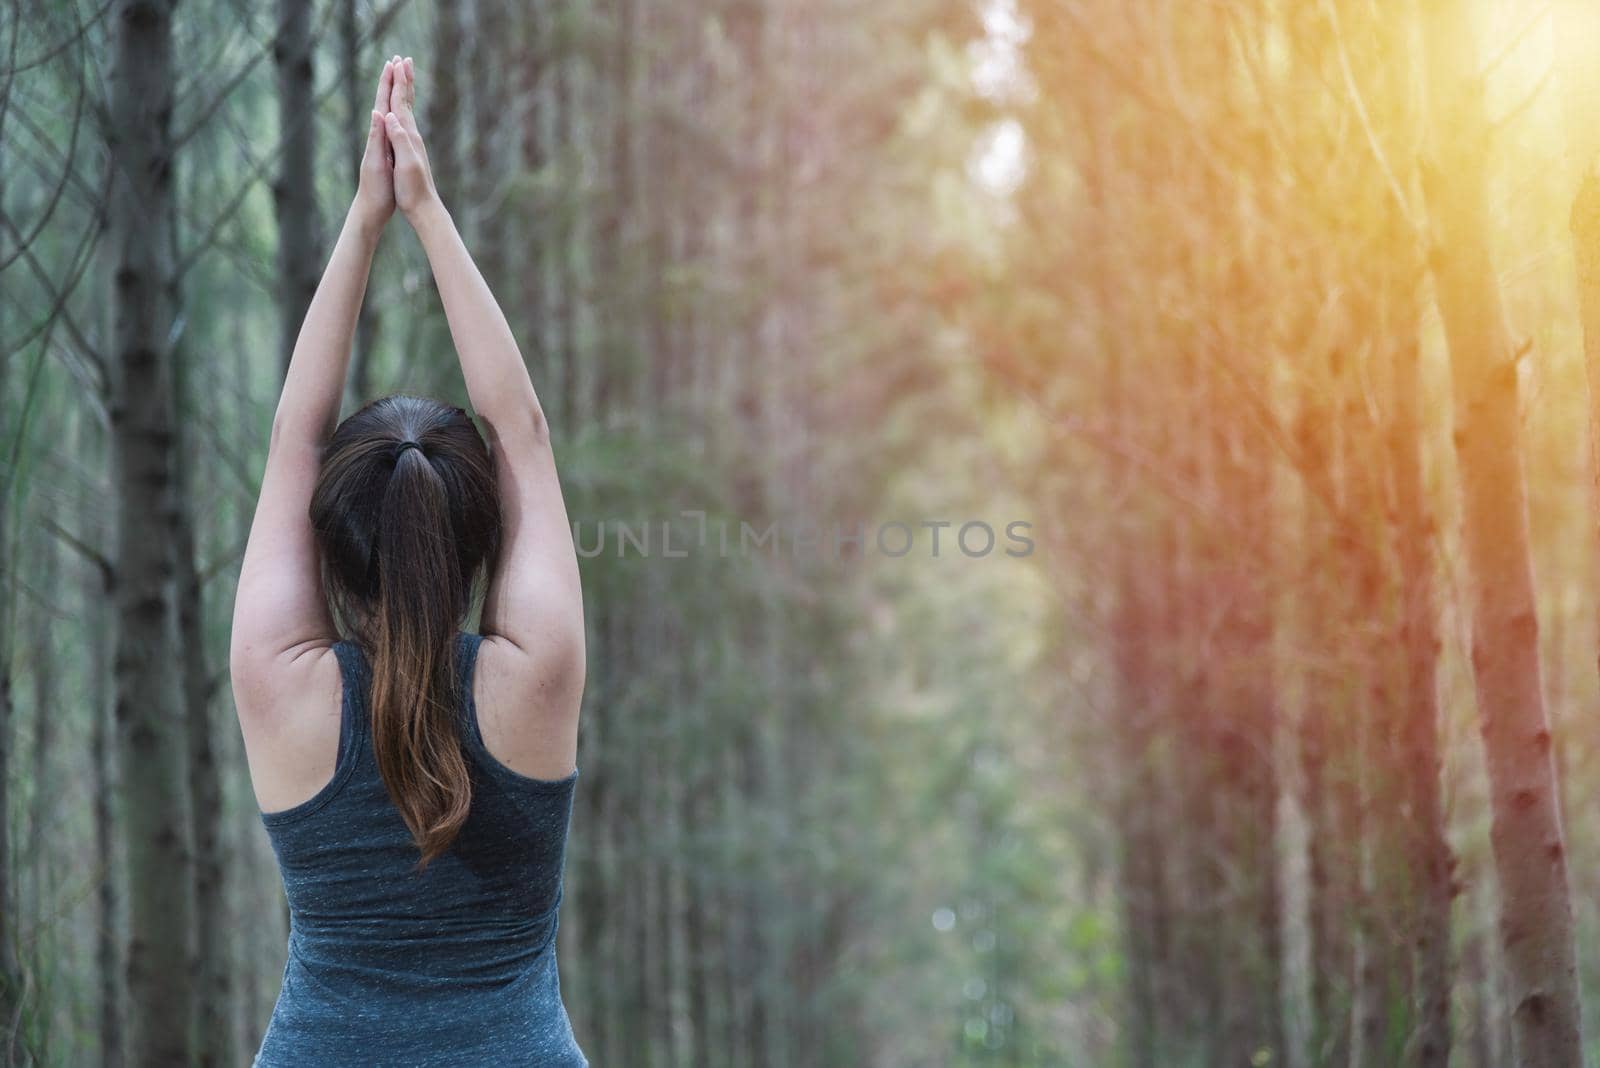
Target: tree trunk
[[149, 699], [10, 973], [214, 958], [1576, 40], [47, 708], [98, 592], [1131, 715], [491, 157], [1420, 762], [442, 105], [1530, 853], [535, 264], [567, 116], [299, 254], [614, 229], [358, 97], [1324, 750]]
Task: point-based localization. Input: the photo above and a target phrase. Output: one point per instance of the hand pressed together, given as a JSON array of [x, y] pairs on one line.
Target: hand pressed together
[[394, 169]]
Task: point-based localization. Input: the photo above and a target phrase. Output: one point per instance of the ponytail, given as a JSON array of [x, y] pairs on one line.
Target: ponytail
[[415, 692], [407, 516]]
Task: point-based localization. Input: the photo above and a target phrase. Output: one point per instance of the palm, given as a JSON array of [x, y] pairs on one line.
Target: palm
[[377, 178], [375, 189]]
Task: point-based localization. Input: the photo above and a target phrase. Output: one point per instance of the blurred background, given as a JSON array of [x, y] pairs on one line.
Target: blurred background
[[1261, 730]]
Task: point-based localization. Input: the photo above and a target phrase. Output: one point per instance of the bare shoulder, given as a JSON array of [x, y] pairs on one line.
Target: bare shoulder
[[289, 710], [528, 703]]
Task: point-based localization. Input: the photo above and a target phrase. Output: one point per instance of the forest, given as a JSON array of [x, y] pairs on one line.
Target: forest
[[1089, 511]]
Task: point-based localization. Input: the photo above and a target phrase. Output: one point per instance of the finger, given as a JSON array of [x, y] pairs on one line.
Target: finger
[[375, 134], [408, 96], [385, 85], [405, 88], [404, 147]]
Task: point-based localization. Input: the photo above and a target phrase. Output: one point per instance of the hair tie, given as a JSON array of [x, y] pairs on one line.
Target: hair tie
[[404, 445]]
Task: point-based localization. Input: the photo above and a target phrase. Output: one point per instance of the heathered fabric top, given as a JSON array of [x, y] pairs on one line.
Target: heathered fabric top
[[455, 966]]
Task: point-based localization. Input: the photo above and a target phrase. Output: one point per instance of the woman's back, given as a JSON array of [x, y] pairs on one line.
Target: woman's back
[[387, 528], [452, 965]]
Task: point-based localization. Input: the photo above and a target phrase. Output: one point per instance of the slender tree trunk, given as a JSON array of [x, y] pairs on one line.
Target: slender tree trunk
[[214, 958], [1377, 836], [614, 230], [98, 624], [698, 923], [47, 708], [358, 101], [1249, 742], [532, 89], [491, 156], [1530, 852], [1132, 717], [1375, 951], [1577, 37], [294, 194], [1480, 1001], [442, 105], [567, 108], [1325, 759], [1433, 867], [149, 698], [1201, 940], [10, 969], [1139, 845], [10, 972]]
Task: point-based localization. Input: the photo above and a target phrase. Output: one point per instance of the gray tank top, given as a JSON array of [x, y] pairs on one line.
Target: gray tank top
[[451, 967]]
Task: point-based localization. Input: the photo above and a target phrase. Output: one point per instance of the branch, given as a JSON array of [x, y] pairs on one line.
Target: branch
[[66, 175], [1515, 111], [90, 198], [58, 309], [55, 50], [188, 260], [1366, 122], [1514, 40], [89, 553]]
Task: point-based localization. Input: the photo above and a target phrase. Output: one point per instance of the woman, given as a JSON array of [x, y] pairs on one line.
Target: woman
[[416, 781]]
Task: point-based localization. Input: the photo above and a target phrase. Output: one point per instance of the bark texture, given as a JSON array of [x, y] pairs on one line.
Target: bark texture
[[149, 698], [1536, 925], [294, 194]]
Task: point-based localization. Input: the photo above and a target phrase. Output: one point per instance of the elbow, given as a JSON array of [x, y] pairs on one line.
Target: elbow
[[538, 426], [525, 422], [290, 429], [284, 432]]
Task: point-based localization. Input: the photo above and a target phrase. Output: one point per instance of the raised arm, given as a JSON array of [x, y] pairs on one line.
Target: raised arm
[[279, 609], [535, 602]]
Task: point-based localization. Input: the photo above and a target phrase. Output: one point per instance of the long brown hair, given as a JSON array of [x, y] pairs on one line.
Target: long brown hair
[[407, 517]]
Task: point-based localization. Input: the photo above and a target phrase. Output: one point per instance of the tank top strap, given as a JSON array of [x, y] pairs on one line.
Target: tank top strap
[[472, 732], [467, 645], [356, 682]]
